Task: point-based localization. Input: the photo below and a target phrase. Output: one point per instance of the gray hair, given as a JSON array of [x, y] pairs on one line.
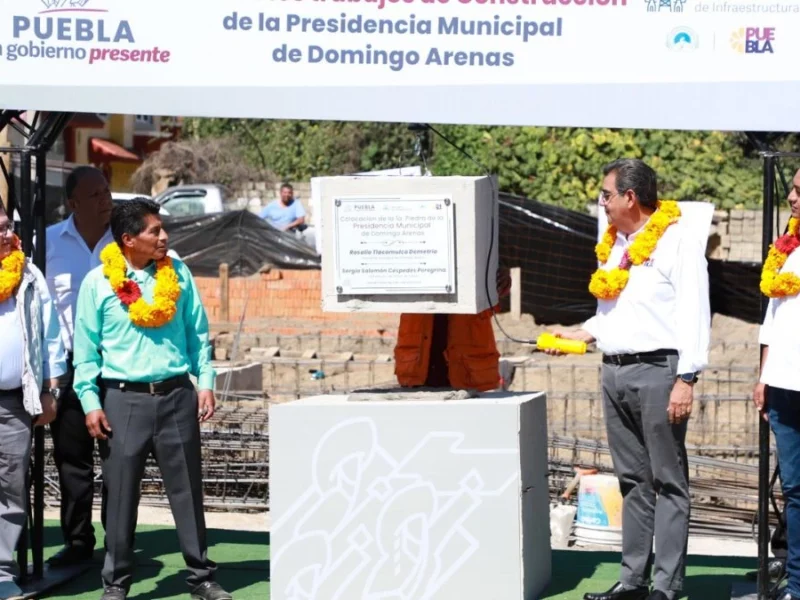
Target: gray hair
[[633, 174]]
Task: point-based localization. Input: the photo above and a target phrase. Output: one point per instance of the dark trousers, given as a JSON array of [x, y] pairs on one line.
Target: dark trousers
[[650, 461], [784, 417], [166, 426], [15, 456], [73, 451]]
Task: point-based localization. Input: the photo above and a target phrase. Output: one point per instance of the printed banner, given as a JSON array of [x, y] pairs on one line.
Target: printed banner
[[630, 63]]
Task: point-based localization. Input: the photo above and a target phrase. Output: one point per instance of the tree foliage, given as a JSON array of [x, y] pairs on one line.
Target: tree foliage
[[208, 160], [555, 165], [299, 150]]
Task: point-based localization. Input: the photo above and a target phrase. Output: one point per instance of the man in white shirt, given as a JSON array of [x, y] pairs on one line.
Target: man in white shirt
[[779, 385], [73, 249], [654, 337], [31, 360]]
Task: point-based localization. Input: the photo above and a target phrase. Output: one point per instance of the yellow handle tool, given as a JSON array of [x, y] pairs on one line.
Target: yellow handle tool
[[547, 341]]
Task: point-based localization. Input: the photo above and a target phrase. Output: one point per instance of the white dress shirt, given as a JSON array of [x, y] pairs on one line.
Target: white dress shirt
[[69, 260], [779, 332], [664, 306], [12, 350]]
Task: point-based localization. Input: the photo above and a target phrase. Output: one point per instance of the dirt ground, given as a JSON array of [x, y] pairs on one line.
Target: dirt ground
[[151, 515], [724, 420]]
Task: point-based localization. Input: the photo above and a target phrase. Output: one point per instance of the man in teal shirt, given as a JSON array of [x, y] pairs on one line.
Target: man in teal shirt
[[140, 331]]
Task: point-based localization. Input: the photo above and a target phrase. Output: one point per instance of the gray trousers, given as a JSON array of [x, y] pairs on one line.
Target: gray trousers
[[166, 426], [650, 462], [15, 457]]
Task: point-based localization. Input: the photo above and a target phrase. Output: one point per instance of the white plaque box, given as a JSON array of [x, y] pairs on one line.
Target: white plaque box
[[408, 244], [410, 499]]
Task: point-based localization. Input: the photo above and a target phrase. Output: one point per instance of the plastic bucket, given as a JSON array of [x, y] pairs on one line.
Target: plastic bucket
[[599, 518]]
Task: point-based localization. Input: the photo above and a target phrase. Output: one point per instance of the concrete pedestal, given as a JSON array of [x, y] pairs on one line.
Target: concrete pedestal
[[410, 500]]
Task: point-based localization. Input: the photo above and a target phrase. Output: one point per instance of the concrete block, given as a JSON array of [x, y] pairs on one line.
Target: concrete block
[[269, 352], [737, 215], [248, 377], [220, 353], [337, 356], [308, 354], [434, 499], [389, 244]]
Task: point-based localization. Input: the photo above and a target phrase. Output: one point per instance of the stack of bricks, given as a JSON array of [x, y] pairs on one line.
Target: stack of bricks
[[738, 234], [290, 300]]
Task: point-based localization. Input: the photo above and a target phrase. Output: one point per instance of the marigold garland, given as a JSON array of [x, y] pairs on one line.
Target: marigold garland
[[608, 285], [775, 284], [165, 295], [11, 268]]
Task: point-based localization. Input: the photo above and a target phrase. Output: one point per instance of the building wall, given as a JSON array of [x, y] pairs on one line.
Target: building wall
[[290, 300], [121, 173]]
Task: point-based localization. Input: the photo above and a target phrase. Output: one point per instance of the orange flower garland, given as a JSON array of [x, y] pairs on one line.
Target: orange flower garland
[[608, 285], [165, 295], [775, 284], [11, 268]]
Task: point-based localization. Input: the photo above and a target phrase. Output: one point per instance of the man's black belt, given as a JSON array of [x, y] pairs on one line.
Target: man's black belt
[[640, 357], [154, 388]]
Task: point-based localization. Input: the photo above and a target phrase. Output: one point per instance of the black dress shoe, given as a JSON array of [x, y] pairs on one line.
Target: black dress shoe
[[70, 555], [776, 570], [620, 592], [114, 592], [210, 590]]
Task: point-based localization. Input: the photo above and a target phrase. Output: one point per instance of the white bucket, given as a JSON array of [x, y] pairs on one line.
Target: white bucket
[[599, 518]]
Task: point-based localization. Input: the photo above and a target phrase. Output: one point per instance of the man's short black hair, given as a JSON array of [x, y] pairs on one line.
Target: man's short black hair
[[286, 184], [633, 174], [128, 217], [75, 176]]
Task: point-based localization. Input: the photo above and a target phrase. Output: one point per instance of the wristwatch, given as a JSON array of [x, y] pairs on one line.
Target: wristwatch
[[55, 393], [690, 378]]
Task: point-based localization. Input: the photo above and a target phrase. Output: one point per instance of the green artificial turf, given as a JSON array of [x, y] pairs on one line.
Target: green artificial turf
[[242, 558], [707, 577]]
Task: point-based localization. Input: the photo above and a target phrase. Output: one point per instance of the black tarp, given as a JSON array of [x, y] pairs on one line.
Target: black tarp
[[554, 247], [239, 238]]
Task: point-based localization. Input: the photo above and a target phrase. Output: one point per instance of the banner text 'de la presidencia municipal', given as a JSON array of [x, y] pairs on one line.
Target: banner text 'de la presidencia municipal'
[[647, 63]]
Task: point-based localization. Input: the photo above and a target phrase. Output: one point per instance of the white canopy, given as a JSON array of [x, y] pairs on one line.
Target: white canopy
[[683, 64]]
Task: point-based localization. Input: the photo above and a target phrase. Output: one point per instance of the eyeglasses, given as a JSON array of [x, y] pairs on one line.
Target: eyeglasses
[[6, 229], [605, 197]]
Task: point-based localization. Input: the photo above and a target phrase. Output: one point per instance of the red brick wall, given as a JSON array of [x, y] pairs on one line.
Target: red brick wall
[[288, 301]]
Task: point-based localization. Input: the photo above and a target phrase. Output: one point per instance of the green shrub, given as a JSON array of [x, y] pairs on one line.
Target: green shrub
[[555, 165]]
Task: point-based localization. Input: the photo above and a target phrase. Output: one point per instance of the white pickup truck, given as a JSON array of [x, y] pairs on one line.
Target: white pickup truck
[[192, 200], [184, 200]]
